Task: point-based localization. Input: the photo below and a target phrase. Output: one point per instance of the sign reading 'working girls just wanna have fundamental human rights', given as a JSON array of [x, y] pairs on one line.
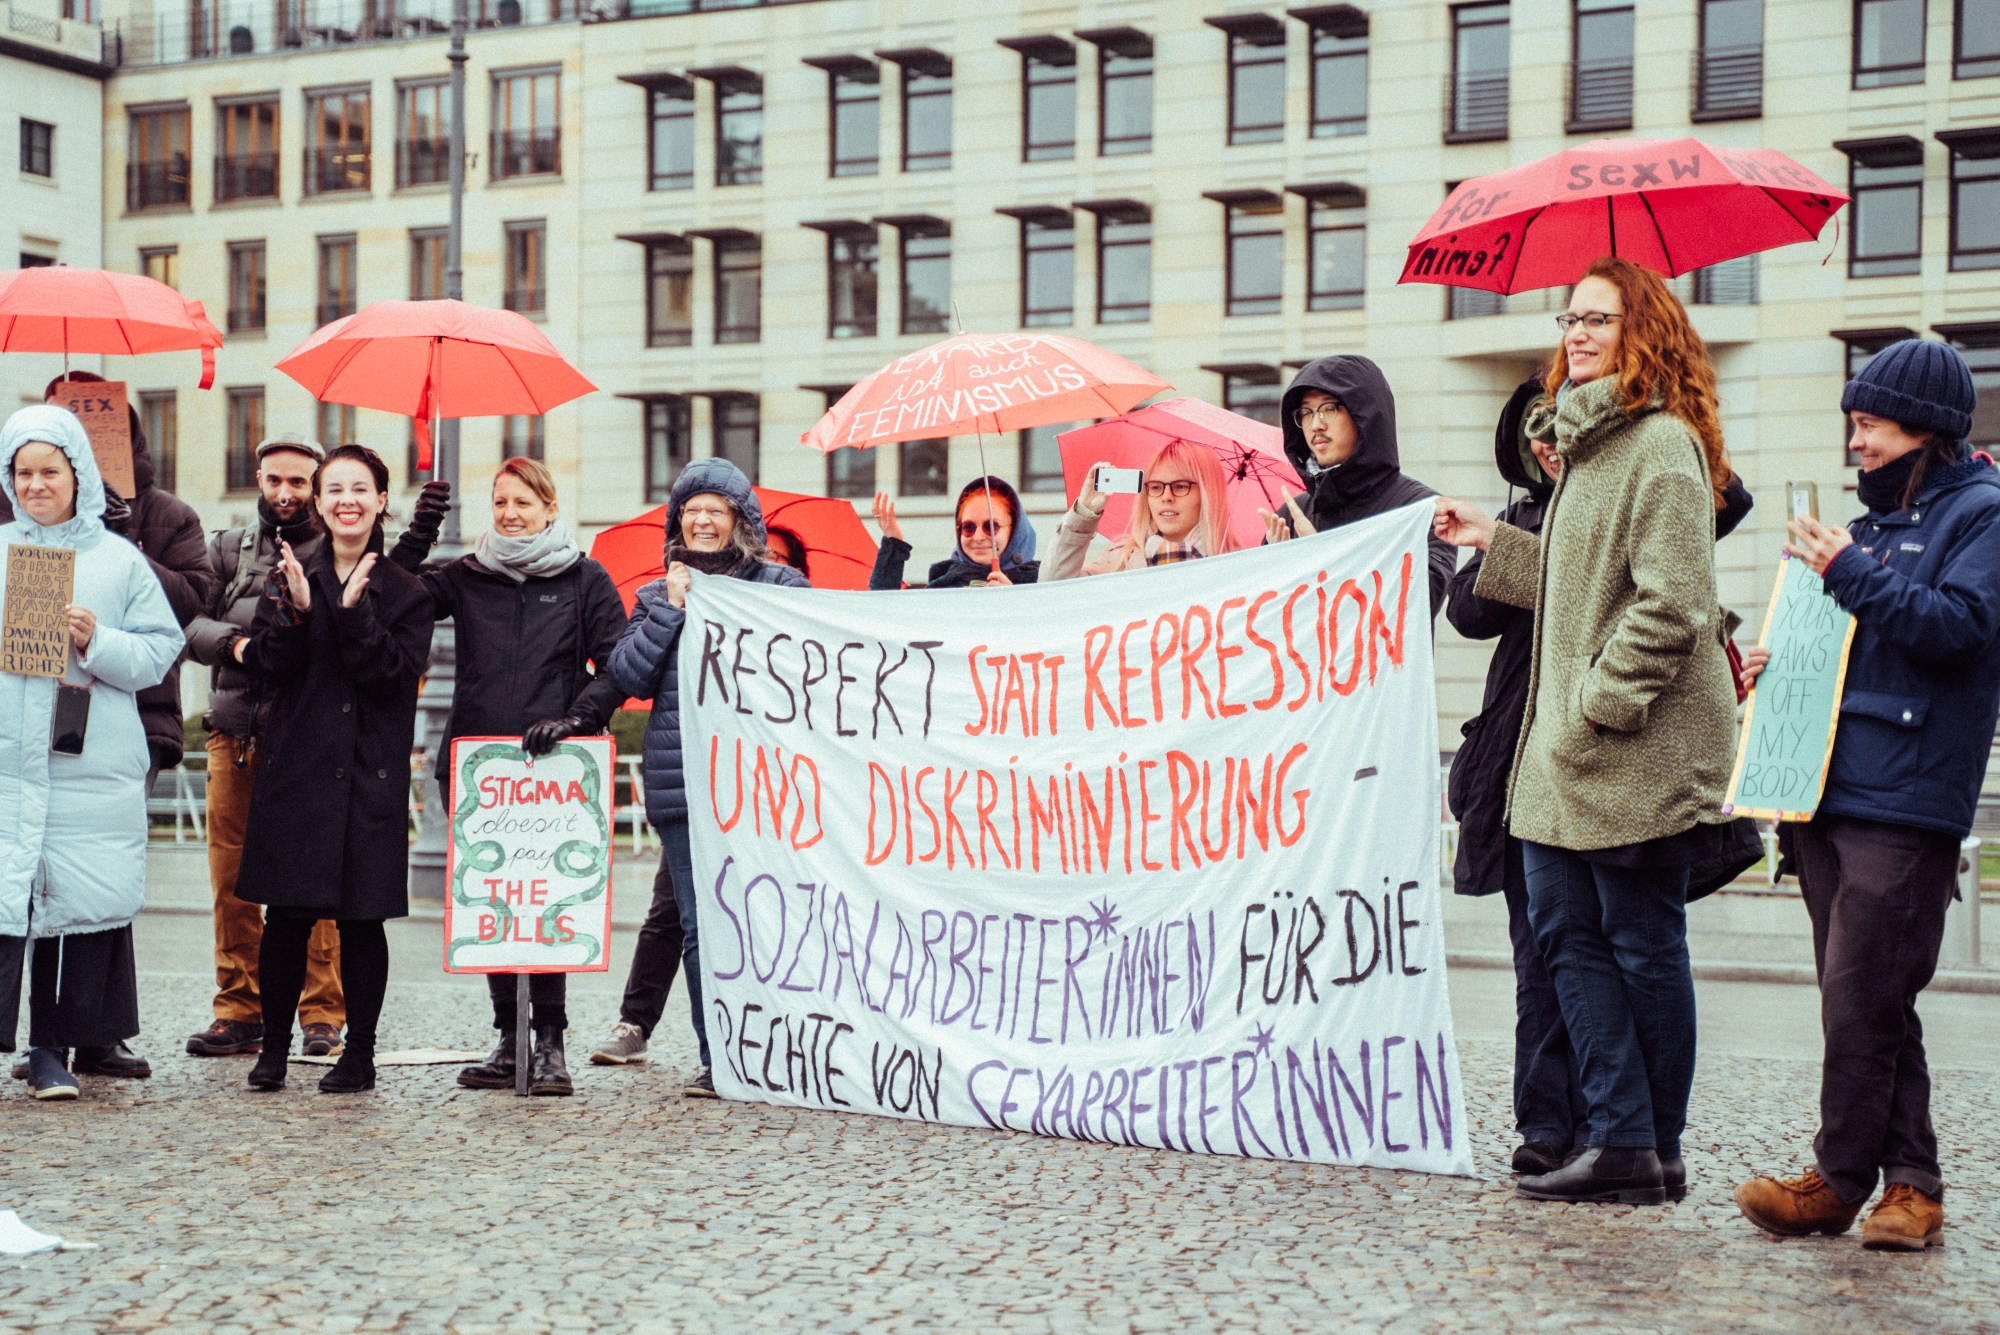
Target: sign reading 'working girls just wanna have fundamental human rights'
[[1147, 858]]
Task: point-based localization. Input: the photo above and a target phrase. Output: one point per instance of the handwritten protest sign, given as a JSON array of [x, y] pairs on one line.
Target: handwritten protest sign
[[1149, 858], [34, 622], [1788, 729], [529, 864], [100, 406]]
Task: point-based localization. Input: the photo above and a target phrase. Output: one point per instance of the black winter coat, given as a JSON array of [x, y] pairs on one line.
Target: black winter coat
[[329, 829], [523, 649]]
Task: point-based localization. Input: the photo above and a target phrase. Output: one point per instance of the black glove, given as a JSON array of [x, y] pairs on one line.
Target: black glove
[[433, 502], [541, 738], [117, 511]]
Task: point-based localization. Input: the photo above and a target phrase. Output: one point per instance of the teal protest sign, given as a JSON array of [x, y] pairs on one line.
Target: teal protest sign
[[1788, 727]]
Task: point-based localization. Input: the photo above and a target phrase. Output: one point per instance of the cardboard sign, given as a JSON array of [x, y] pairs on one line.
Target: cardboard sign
[[1794, 710], [34, 627], [1147, 859], [100, 406], [528, 870]]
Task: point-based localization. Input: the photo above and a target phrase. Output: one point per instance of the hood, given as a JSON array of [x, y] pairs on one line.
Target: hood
[[1511, 453], [1020, 548], [1360, 384], [58, 427], [724, 479]]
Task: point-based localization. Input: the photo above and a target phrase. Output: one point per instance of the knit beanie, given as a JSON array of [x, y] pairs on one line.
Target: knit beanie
[[1919, 384]]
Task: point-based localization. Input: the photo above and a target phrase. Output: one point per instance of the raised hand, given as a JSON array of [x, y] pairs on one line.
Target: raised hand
[[885, 517], [1815, 543], [1462, 524], [292, 575], [357, 583], [1277, 530], [679, 581], [1090, 498]]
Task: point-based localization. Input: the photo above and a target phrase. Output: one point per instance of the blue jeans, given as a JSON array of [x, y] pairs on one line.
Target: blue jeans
[[1548, 1099], [667, 942], [1615, 939]]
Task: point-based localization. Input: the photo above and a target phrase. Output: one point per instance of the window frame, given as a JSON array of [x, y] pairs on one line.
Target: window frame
[[721, 269], [1331, 31], [682, 250], [1979, 343], [727, 171], [433, 151], [524, 253], [1242, 40], [424, 240], [1900, 264], [870, 325], [1960, 65], [1860, 75], [170, 270], [319, 156], [343, 248], [333, 424], [1331, 215], [661, 416], [1235, 230], [837, 166], [908, 234], [679, 93], [1963, 148], [911, 99], [1049, 54], [524, 442], [160, 419], [544, 142], [1103, 241], [236, 173], [1466, 129], [244, 423], [242, 267], [1044, 225], [38, 145], [146, 127], [1608, 117], [1123, 49], [1235, 382], [911, 456], [721, 409]]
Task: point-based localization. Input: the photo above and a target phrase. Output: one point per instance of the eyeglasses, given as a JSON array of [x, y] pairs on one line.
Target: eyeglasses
[[1592, 320], [1178, 488], [1326, 412], [989, 527], [704, 512]]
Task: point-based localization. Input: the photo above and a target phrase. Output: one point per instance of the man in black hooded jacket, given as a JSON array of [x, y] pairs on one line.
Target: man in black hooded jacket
[[1345, 449]]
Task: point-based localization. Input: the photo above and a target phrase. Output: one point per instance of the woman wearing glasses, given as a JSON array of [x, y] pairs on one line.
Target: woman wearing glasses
[[995, 542], [1181, 518], [1626, 744]]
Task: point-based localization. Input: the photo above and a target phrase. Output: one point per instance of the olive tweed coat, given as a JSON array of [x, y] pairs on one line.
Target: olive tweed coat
[[1629, 636]]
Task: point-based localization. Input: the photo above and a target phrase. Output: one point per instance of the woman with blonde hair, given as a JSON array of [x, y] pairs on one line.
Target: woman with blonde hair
[[1182, 515]]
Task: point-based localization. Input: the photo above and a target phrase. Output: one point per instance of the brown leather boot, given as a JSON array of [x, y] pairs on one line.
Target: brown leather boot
[[1793, 1207], [1904, 1220]]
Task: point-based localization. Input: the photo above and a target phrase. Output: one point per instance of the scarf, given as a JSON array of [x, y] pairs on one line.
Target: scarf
[[1161, 551], [1882, 489], [532, 556], [724, 562]]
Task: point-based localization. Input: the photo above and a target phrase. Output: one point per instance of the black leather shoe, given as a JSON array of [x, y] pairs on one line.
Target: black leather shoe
[[496, 1072], [353, 1073], [117, 1061], [550, 1075], [269, 1071], [1674, 1178], [1605, 1173], [1537, 1156]]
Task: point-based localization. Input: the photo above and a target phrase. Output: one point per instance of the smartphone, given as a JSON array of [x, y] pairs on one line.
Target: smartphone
[[1802, 498], [72, 717], [1120, 481]]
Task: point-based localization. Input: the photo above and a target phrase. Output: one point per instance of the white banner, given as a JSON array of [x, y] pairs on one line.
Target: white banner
[[1147, 858]]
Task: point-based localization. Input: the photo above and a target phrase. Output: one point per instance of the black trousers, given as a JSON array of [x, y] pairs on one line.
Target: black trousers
[[656, 956], [1877, 894], [548, 997], [83, 989], [281, 974]]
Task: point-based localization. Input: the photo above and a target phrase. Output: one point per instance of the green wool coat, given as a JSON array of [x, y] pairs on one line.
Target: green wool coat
[[1628, 633]]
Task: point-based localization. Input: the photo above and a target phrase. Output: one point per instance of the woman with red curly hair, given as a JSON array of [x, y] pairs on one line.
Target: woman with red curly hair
[[1626, 747]]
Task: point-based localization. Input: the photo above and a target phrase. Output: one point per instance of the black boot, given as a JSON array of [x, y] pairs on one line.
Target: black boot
[[497, 1071], [1603, 1173], [550, 1075], [269, 1072], [1674, 1177], [353, 1073]]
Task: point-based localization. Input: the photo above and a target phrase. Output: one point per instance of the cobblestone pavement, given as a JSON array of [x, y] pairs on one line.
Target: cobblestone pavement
[[424, 1207]]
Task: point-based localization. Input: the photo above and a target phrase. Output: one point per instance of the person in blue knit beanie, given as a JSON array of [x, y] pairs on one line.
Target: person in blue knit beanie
[[1878, 862]]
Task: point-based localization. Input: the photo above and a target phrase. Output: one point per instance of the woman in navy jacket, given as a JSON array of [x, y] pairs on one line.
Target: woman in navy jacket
[[1920, 572]]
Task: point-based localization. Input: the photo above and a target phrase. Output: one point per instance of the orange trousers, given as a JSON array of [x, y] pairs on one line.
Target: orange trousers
[[239, 927]]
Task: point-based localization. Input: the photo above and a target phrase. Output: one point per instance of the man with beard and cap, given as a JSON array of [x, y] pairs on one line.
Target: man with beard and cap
[[239, 712], [1339, 420]]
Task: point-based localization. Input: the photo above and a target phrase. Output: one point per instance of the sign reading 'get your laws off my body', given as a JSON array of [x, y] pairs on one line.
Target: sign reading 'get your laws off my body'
[[1147, 858]]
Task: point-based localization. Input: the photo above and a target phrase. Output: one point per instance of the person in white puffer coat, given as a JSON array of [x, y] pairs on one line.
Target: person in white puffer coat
[[73, 827]]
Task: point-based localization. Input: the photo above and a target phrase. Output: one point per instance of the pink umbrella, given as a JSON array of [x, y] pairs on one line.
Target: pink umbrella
[[54, 308], [1252, 454]]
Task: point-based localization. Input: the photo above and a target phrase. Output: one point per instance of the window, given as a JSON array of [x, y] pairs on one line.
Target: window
[[527, 125], [427, 263], [1336, 251], [1256, 393], [1256, 256], [850, 474], [1975, 198], [1975, 50], [156, 174], [1859, 347], [30, 260], [1040, 467], [927, 114], [1478, 104], [38, 148], [423, 133], [735, 430], [739, 129], [854, 118], [246, 287], [1124, 92], [162, 264], [337, 141], [1048, 99], [1124, 266], [1886, 179], [521, 438], [1980, 345], [1048, 270], [668, 445], [246, 431], [1256, 79], [739, 289], [926, 285], [1888, 43], [527, 267], [1600, 78], [923, 467], [333, 425], [246, 158], [1340, 76], [669, 294], [853, 255], [160, 419], [671, 132], [336, 277], [1730, 283], [1729, 67]]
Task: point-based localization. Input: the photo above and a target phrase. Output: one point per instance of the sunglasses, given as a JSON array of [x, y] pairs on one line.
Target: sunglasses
[[970, 527]]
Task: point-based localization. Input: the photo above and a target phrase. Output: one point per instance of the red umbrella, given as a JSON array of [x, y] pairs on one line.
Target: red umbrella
[[835, 546], [1669, 204], [54, 308], [433, 359], [1252, 455]]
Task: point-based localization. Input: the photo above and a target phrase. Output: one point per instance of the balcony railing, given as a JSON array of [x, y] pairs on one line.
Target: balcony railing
[[1467, 303], [246, 176], [1600, 95], [246, 319], [526, 153], [157, 185], [1475, 108], [1728, 83], [328, 170], [527, 300], [422, 162]]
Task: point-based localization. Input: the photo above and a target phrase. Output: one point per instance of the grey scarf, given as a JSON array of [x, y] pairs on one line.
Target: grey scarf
[[535, 556]]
